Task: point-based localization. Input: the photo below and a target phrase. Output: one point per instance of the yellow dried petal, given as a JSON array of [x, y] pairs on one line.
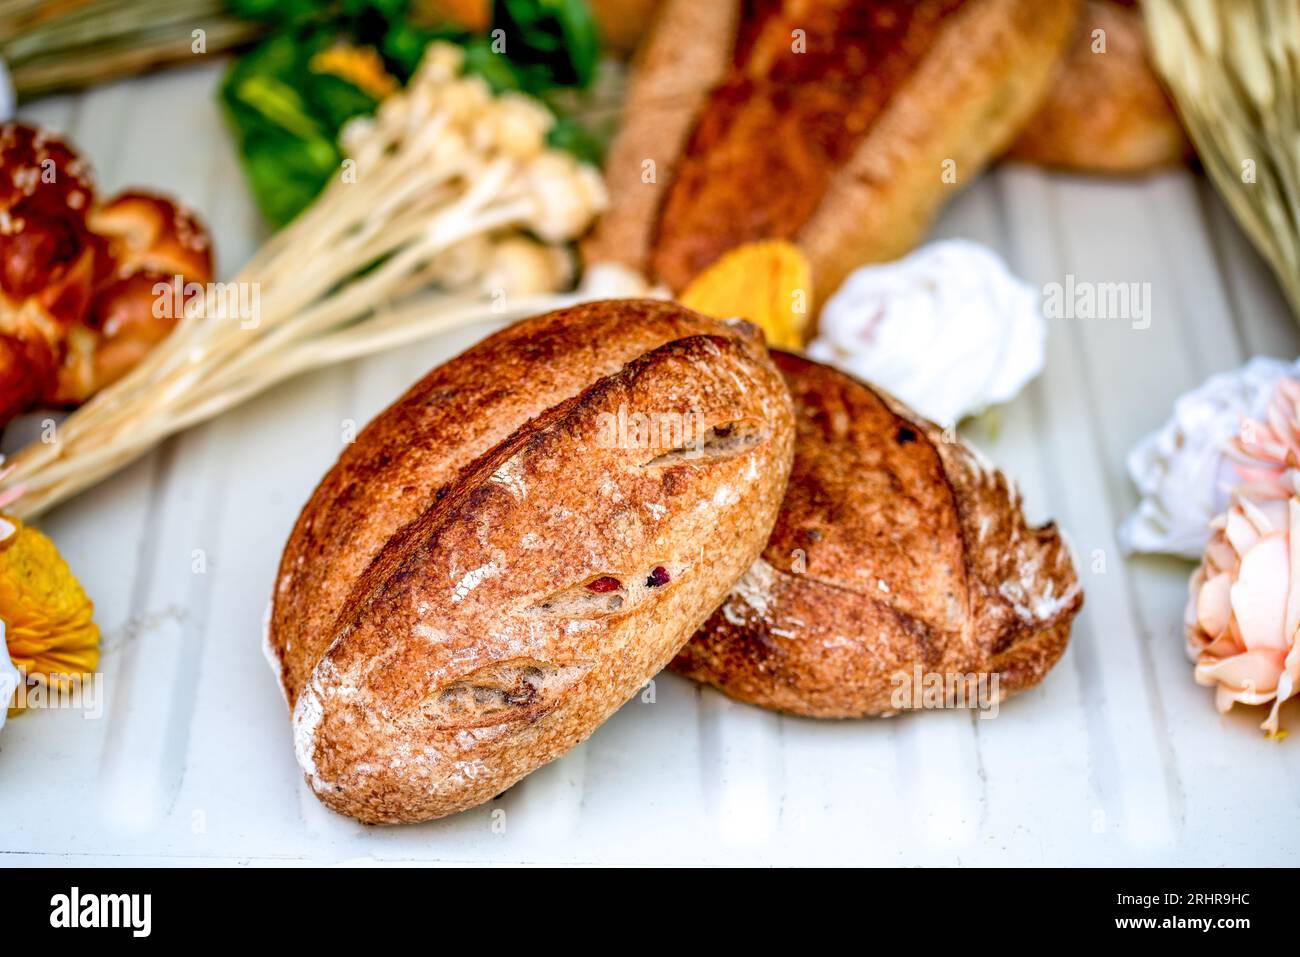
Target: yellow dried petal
[[360, 66], [769, 283], [49, 620]]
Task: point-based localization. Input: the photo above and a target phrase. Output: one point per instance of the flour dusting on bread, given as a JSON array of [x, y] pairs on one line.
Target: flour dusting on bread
[[307, 715], [533, 595], [907, 549], [751, 597]]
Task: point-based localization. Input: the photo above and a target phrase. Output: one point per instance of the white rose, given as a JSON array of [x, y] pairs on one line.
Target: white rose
[[1181, 470], [947, 329]]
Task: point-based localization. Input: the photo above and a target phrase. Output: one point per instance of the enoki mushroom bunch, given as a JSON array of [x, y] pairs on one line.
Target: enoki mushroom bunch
[[449, 210]]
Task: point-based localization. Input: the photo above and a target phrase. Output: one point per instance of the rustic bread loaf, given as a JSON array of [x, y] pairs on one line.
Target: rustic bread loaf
[[894, 550], [510, 551], [1106, 111], [841, 126], [78, 303]]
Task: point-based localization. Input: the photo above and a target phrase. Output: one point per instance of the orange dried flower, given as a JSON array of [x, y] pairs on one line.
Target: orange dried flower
[[769, 283], [49, 620], [360, 66]]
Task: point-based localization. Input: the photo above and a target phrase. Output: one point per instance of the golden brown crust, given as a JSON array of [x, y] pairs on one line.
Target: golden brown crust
[[1106, 112], [404, 458], [806, 85], [961, 78], [684, 55], [894, 550], [76, 276], [985, 73], [150, 240], [543, 577], [150, 233]]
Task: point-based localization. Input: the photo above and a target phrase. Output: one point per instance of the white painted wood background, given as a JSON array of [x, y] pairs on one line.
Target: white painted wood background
[[1117, 758]]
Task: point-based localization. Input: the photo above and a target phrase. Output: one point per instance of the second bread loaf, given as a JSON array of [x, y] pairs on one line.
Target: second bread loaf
[[898, 552]]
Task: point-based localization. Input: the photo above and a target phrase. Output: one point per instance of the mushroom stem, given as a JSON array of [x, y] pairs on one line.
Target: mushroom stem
[[439, 183]]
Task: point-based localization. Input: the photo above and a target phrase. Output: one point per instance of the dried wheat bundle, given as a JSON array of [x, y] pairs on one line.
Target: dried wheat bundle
[[52, 45], [1234, 69], [429, 226]]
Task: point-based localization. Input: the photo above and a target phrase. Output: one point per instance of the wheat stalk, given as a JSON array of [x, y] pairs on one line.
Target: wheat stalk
[[440, 187], [52, 45], [1233, 67]]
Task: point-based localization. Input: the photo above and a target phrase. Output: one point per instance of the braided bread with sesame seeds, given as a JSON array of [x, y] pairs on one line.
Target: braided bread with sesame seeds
[[77, 277]]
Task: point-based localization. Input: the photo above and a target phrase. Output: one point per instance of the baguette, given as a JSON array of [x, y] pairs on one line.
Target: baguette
[[494, 567], [734, 132], [895, 550]]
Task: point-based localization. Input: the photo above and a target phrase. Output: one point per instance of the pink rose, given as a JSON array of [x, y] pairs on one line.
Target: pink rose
[[1244, 610], [1265, 451]]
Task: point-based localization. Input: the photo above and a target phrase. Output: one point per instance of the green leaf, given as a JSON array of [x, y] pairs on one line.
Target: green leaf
[[286, 175], [557, 36], [275, 11], [570, 135], [286, 116], [403, 45], [500, 72]]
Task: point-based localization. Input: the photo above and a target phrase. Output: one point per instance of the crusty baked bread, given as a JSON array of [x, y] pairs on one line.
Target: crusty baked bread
[[831, 125], [77, 276], [1106, 112], [513, 549], [403, 459], [894, 550]]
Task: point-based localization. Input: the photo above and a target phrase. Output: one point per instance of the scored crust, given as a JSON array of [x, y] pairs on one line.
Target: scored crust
[[547, 578], [988, 68], [408, 453], [895, 549]]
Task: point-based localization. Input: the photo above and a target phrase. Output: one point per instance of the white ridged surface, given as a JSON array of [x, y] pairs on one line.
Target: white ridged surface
[[1117, 758]]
